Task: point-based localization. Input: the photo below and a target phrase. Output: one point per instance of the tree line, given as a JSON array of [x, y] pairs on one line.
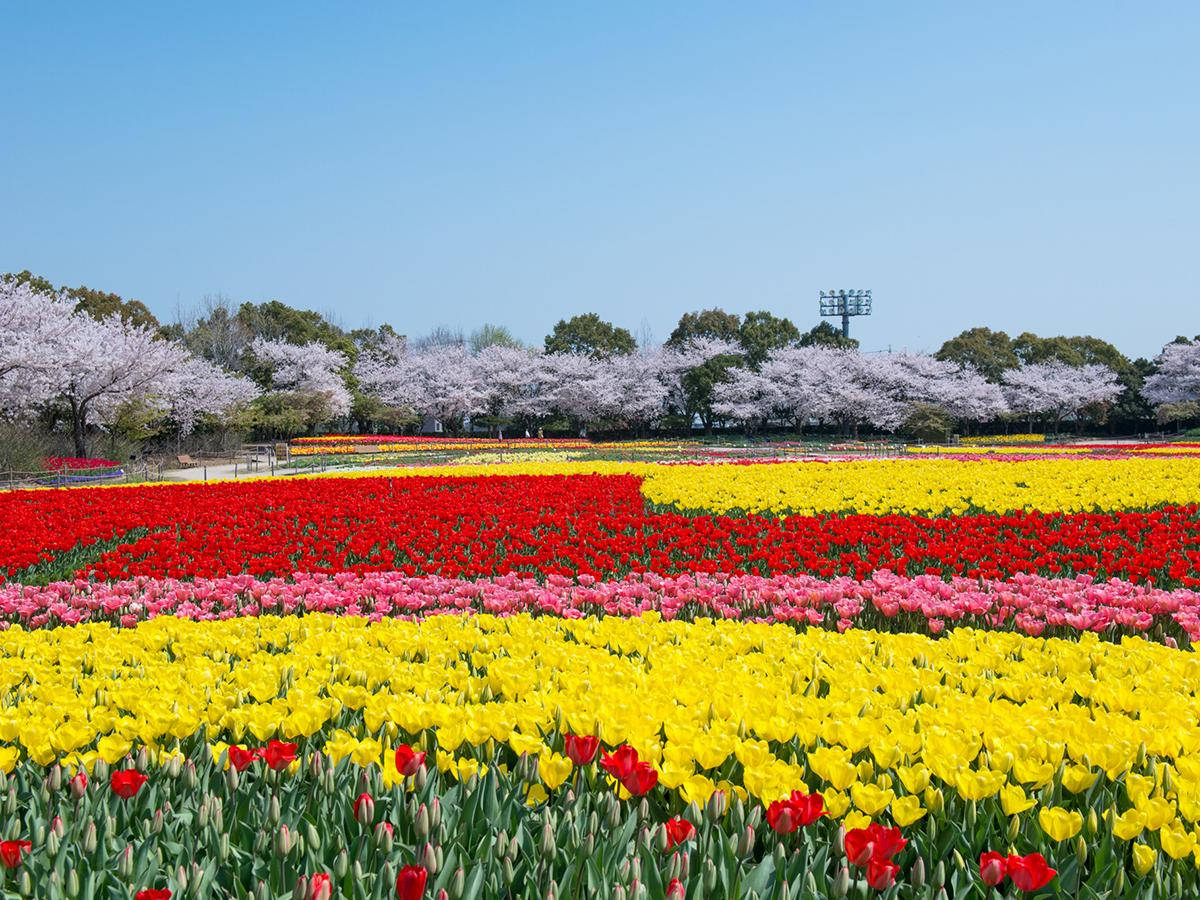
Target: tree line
[[83, 361]]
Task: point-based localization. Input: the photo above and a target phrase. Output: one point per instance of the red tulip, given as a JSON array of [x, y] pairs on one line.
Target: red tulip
[[992, 868], [410, 883], [620, 762], [78, 784], [678, 831], [881, 873], [279, 755], [785, 816], [641, 779], [320, 887], [364, 809], [1030, 873], [240, 758], [10, 852], [127, 782], [408, 761], [675, 890], [581, 750], [153, 894], [872, 842]]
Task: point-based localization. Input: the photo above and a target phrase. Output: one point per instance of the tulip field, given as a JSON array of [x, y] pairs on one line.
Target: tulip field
[[946, 675]]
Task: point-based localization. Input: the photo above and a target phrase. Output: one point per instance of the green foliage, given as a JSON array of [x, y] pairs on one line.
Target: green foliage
[[707, 323], [989, 352], [276, 321], [22, 448], [825, 335], [762, 332], [589, 334], [283, 414], [928, 423], [488, 335]]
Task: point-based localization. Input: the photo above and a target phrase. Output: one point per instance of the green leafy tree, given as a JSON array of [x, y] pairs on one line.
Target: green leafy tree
[[700, 381], [761, 332], [488, 335], [590, 334], [825, 335], [988, 352], [707, 323]]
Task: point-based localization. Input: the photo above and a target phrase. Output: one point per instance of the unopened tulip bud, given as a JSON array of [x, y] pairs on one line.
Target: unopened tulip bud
[[175, 766], [839, 840], [300, 891], [284, 841], [312, 837], [57, 828], [841, 884], [189, 775], [429, 859], [25, 884], [442, 895], [316, 764], [89, 838], [273, 811], [181, 878], [435, 813], [232, 779], [917, 874], [506, 870], [693, 813], [421, 778], [320, 887], [547, 846], [939, 874], [52, 844], [710, 876], [125, 862], [618, 892], [1093, 821], [384, 836], [746, 843], [100, 770], [458, 883], [421, 823], [684, 858], [156, 824], [1014, 828], [715, 808]]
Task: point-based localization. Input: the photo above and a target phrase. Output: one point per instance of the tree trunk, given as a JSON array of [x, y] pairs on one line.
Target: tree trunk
[[79, 428]]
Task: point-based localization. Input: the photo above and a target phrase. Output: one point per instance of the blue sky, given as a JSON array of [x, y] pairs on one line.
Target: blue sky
[[1027, 166]]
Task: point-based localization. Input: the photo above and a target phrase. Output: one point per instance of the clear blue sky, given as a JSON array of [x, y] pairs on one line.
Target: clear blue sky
[[1019, 165]]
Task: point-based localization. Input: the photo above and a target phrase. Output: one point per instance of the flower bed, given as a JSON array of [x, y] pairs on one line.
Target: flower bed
[[927, 604], [270, 749]]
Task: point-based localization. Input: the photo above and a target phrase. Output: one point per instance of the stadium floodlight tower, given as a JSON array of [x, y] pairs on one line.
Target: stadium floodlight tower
[[845, 304]]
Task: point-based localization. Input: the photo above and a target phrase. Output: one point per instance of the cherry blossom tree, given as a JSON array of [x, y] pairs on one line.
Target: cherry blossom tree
[[1057, 390], [1177, 380], [439, 380], [34, 329], [198, 388], [308, 368], [106, 362]]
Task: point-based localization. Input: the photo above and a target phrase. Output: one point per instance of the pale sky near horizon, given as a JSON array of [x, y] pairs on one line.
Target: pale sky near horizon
[[1026, 166]]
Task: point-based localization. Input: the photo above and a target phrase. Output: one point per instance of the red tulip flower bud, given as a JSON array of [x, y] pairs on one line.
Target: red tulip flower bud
[[408, 760], [881, 873], [279, 754], [364, 809], [581, 750], [320, 887], [78, 784], [992, 868], [410, 883], [675, 890], [153, 894]]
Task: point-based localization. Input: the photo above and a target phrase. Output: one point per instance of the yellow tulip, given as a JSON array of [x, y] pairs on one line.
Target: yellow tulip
[[1058, 823], [1143, 858], [1014, 801], [1129, 824], [906, 810]]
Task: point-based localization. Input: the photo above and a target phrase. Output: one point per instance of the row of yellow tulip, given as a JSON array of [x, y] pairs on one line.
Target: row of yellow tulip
[[885, 726]]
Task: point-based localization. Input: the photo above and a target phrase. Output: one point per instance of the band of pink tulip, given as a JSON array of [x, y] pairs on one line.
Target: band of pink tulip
[[1026, 603]]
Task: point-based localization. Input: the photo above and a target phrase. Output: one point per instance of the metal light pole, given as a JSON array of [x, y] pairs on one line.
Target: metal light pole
[[845, 304]]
